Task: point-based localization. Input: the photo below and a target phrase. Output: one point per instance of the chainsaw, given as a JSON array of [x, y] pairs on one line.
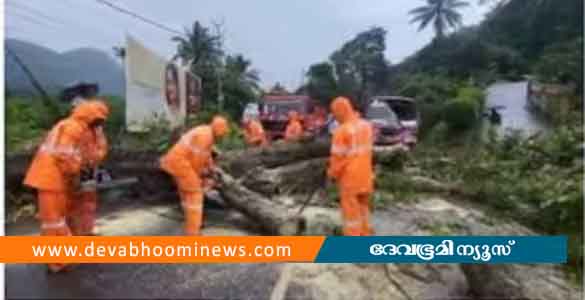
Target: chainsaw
[[97, 179]]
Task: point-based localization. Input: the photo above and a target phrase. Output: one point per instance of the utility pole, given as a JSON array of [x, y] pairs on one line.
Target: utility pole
[[219, 31], [52, 110], [220, 96], [30, 76]]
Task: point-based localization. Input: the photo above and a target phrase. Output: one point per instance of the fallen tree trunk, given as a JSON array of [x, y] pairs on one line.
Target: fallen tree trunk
[[239, 163], [297, 178], [275, 219]]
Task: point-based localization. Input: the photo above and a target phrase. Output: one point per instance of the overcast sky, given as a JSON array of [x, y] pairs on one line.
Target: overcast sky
[[282, 38]]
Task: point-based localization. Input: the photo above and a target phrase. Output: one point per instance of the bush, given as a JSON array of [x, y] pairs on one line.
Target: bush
[[27, 119], [116, 123], [473, 94], [234, 140], [461, 114], [562, 63], [431, 115], [24, 122], [464, 112], [431, 93], [537, 181], [428, 89]]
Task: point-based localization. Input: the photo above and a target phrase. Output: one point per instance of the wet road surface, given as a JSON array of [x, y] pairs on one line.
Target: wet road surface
[[515, 115], [144, 281]]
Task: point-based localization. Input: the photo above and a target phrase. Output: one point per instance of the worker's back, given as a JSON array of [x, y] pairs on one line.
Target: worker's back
[[357, 140], [191, 153]]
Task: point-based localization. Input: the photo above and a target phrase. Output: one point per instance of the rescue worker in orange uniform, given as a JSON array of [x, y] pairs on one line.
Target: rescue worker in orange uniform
[[320, 117], [56, 168], [254, 133], [189, 161], [94, 149], [294, 129], [350, 166]]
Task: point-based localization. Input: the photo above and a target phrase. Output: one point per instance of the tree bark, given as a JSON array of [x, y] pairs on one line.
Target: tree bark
[[240, 163], [274, 218], [297, 178]]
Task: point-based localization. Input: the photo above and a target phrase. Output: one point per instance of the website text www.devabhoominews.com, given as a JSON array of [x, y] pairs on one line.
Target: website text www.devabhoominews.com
[[144, 250], [158, 249]]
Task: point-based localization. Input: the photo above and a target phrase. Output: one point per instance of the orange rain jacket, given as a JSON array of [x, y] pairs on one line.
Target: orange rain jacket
[[190, 157], [94, 146], [254, 133], [350, 163], [294, 129], [58, 159]]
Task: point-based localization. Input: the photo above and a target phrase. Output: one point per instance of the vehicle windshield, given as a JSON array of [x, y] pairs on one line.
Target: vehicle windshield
[[405, 110], [284, 107], [251, 108], [381, 112]]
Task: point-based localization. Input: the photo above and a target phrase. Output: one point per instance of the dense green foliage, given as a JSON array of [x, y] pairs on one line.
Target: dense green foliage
[[460, 114], [562, 63], [439, 99], [28, 119], [358, 69], [530, 27], [465, 111], [322, 84], [465, 55], [23, 123], [513, 38], [537, 181], [240, 84], [228, 81]]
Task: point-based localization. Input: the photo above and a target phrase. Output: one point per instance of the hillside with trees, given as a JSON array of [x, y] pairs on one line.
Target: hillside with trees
[[55, 70]]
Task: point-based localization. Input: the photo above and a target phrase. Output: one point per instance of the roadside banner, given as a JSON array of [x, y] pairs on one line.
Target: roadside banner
[[157, 90]]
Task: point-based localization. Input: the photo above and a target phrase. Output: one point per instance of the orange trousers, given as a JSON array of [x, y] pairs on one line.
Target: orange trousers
[[53, 210], [83, 213], [355, 209], [192, 203]]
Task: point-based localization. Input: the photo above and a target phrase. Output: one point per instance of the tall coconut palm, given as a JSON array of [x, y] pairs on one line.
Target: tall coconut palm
[[443, 14], [198, 46]]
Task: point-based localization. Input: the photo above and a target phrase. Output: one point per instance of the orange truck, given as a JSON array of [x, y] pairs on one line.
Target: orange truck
[[274, 109]]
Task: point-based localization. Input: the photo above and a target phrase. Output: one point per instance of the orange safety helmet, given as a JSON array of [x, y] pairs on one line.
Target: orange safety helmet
[[89, 111], [220, 126], [293, 115], [102, 107], [342, 109]]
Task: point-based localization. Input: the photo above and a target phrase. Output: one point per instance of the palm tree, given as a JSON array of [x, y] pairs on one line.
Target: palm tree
[[238, 68], [241, 83], [198, 46], [443, 14]]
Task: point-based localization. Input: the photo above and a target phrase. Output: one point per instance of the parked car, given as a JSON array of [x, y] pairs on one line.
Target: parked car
[[387, 127], [407, 113], [252, 111]]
